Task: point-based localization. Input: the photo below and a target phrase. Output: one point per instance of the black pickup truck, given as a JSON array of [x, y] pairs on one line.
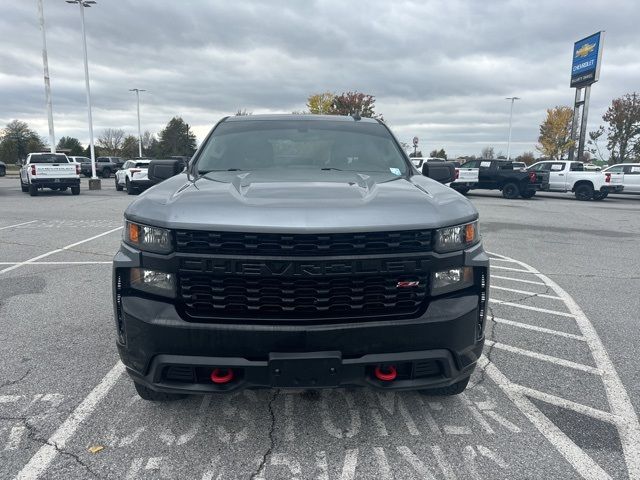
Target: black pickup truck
[[513, 182]]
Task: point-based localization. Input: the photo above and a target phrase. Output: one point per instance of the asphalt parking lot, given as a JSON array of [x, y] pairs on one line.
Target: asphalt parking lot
[[556, 396]]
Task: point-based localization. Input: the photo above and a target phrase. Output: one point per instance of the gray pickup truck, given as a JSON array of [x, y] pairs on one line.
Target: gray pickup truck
[[300, 252]]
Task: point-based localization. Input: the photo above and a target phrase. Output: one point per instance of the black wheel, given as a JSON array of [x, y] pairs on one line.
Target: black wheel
[[511, 190], [462, 190], [147, 394], [75, 190], [600, 195], [584, 192], [528, 194], [130, 188], [118, 186], [106, 173], [454, 389], [33, 190]]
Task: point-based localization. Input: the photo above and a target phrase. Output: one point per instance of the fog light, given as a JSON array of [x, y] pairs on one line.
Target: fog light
[[451, 279], [154, 282]]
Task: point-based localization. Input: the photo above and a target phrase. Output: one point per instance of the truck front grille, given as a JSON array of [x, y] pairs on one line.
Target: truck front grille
[[275, 297], [233, 243]]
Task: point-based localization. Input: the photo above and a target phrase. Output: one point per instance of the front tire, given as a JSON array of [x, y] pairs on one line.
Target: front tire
[[511, 191], [454, 389], [146, 393], [33, 190], [584, 192]]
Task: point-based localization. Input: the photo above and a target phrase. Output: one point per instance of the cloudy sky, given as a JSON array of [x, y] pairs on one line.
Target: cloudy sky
[[439, 70]]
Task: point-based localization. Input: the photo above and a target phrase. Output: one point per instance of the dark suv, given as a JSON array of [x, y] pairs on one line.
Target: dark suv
[[300, 252]]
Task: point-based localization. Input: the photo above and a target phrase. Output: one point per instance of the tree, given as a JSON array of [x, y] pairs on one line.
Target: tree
[[594, 144], [72, 144], [321, 103], [350, 103], [149, 144], [17, 140], [438, 154], [623, 131], [487, 153], [417, 154], [526, 157], [176, 139], [111, 141], [129, 147], [555, 133]]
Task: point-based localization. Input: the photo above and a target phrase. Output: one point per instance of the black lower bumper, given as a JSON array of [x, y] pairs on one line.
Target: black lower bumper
[[141, 184], [170, 355], [612, 188]]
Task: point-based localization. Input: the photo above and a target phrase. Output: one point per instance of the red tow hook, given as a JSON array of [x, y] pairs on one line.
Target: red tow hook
[[221, 375], [386, 374]]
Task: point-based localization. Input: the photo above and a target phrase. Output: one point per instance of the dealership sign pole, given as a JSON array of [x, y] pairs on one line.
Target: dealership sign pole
[[585, 71]]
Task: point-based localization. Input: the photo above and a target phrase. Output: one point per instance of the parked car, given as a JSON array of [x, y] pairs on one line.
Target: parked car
[[300, 251], [631, 175], [133, 176], [568, 176], [500, 175], [592, 167], [49, 170], [105, 166], [3, 169], [519, 165]]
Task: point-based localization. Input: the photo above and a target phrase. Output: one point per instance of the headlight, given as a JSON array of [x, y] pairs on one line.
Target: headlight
[[152, 239], [152, 281], [456, 238], [452, 279]]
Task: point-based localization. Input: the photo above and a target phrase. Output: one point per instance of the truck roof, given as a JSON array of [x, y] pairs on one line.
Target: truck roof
[[290, 116]]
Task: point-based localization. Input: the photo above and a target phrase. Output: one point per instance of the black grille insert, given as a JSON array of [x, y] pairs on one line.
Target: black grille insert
[[235, 296], [233, 243]]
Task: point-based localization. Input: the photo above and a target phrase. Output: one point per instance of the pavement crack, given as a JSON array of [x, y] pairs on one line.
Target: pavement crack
[[272, 441], [17, 380]]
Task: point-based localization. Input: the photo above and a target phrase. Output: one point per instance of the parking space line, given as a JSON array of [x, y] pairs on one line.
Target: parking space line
[[568, 404], [58, 263], [48, 452], [58, 250], [502, 259], [500, 267], [18, 225], [525, 292], [532, 282], [579, 460], [539, 329], [528, 307], [543, 357]]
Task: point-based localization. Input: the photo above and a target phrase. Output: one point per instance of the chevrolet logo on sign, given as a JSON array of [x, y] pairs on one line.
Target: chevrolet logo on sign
[[585, 50]]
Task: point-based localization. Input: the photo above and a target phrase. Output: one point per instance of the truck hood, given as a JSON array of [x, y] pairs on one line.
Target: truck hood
[[287, 201]]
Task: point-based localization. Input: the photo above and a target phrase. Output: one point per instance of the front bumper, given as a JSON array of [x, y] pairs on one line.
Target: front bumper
[[169, 354]]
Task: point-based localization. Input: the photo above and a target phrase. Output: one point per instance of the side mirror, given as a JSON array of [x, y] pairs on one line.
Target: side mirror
[[160, 170], [443, 172]]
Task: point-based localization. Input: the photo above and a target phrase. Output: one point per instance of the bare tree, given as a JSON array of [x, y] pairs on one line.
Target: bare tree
[[487, 153], [111, 141], [147, 139]]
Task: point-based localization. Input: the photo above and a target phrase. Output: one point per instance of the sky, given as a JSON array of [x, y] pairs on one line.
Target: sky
[[440, 70]]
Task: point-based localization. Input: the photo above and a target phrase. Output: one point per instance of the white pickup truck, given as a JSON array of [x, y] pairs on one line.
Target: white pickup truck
[[631, 175], [49, 170], [567, 176]]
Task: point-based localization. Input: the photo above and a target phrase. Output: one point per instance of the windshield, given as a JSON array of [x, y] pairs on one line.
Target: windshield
[[301, 144], [49, 158]]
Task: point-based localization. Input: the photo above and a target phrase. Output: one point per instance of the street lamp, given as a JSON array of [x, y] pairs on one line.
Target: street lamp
[[513, 99], [47, 85], [94, 181], [138, 90]]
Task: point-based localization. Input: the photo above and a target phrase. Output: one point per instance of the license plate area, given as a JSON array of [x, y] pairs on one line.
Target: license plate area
[[305, 370]]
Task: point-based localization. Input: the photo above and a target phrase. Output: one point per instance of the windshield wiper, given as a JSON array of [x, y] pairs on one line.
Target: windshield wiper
[[332, 168], [204, 172]]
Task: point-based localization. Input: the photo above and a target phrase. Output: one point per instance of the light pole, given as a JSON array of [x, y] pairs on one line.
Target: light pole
[[94, 181], [47, 84], [513, 99], [138, 90]]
